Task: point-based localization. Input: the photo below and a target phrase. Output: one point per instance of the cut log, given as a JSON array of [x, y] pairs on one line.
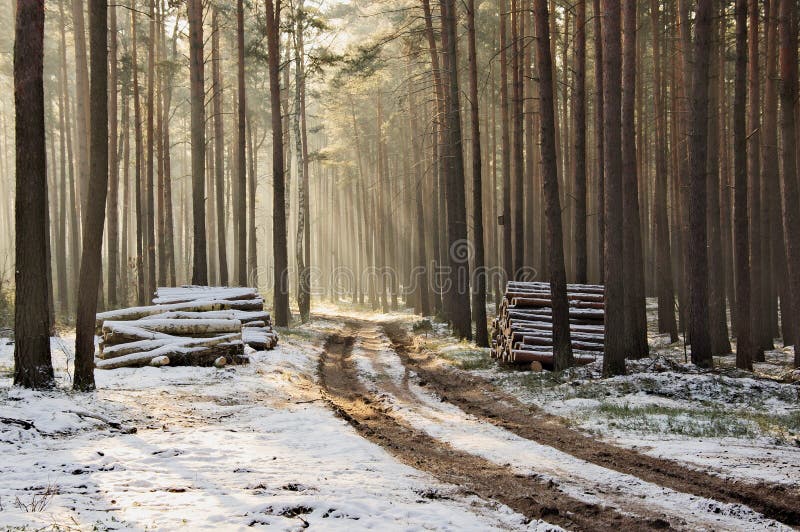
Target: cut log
[[522, 330], [259, 339], [180, 294], [546, 359], [157, 362], [137, 313], [182, 327], [114, 351], [179, 353]]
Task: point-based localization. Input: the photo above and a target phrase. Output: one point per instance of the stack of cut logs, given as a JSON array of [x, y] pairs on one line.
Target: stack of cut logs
[[186, 326], [523, 330]]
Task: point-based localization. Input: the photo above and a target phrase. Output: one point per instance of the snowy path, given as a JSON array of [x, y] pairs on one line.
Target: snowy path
[[215, 449], [384, 372]]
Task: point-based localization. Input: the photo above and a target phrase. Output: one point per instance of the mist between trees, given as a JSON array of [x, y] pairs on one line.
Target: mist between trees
[[649, 146]]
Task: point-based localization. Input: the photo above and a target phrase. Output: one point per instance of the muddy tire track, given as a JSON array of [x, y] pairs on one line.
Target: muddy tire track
[[478, 397], [525, 494]]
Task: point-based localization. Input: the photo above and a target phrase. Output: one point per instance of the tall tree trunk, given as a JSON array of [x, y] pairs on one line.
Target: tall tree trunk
[[562, 345], [614, 352], [745, 345], [518, 163], [697, 251], [67, 174], [301, 142], [150, 237], [633, 265], [139, 151], [279, 244], [81, 103], [718, 324], [198, 134], [754, 177], [789, 192], [169, 227], [219, 146], [666, 294], [479, 279], [33, 367], [241, 158], [91, 259], [113, 164], [508, 262], [579, 170], [458, 296], [599, 135], [771, 227]]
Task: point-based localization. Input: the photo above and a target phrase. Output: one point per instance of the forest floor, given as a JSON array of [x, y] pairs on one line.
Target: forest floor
[[357, 421]]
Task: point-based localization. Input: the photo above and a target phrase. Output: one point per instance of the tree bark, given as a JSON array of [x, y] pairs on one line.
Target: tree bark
[[32, 363], [479, 277], [562, 346], [219, 146], [198, 134], [745, 346], [241, 158], [599, 135], [91, 260], [697, 250], [614, 354], [789, 192], [754, 177], [579, 163], [279, 243], [633, 265], [113, 164], [663, 257]]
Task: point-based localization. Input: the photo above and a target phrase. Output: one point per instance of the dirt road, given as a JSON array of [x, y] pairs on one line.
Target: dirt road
[[466, 432]]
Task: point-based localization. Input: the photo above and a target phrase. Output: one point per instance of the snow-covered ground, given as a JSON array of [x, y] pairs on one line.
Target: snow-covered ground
[[213, 448], [577, 478], [733, 423]]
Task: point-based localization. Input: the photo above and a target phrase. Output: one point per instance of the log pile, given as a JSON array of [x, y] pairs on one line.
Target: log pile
[[188, 325], [522, 330]]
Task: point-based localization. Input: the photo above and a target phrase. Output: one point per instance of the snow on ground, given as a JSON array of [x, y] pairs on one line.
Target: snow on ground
[[580, 479], [736, 424], [213, 449]]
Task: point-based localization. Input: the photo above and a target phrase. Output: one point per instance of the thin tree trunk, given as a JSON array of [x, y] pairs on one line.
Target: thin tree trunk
[[754, 177], [666, 295], [718, 324], [137, 125], [562, 345], [91, 259], [113, 164], [241, 158], [789, 192], [198, 134], [599, 135], [479, 279], [579, 171], [219, 163], [279, 244], [745, 345]]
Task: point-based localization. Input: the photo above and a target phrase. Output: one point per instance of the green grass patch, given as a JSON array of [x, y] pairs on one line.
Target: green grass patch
[[299, 333], [467, 357], [699, 423]]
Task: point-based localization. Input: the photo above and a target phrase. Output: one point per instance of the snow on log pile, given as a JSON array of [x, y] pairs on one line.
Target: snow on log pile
[[188, 325], [522, 332]]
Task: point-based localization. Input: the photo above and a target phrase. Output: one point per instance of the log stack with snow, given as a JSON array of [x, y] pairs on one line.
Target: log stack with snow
[[187, 325], [523, 330]]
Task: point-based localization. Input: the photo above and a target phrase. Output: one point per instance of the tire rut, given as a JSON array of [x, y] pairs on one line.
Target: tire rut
[[478, 397], [532, 498]]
